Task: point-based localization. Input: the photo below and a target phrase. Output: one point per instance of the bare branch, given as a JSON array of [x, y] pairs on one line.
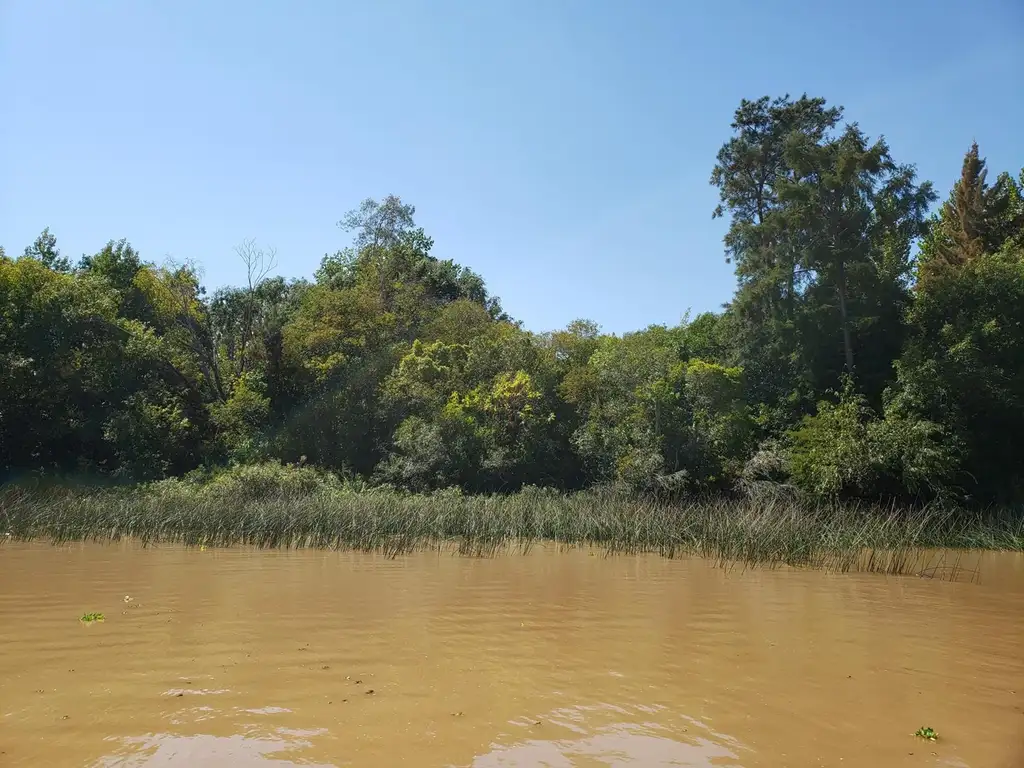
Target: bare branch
[[258, 265], [258, 262]]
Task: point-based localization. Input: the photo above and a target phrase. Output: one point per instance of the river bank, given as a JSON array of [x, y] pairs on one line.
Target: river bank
[[305, 509]]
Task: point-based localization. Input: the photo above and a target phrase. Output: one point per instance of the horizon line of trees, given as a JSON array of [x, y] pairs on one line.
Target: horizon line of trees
[[872, 350]]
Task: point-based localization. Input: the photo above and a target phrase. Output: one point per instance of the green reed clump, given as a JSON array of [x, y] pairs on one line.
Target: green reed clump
[[274, 506]]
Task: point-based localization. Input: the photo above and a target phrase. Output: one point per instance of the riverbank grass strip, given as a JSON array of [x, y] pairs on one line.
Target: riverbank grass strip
[[768, 533]]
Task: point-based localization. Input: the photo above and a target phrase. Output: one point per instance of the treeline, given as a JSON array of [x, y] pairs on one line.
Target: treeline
[[871, 350]]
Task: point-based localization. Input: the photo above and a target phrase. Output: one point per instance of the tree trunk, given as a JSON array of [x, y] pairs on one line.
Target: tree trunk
[[847, 343]]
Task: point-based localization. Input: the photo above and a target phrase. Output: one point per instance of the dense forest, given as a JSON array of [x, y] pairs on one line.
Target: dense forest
[[874, 349]]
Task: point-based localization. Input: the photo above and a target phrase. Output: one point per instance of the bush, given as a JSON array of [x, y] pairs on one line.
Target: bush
[[765, 475], [251, 482], [844, 450]]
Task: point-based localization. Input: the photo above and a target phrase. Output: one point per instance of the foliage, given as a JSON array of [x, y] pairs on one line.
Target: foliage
[[977, 219], [822, 226], [868, 353], [846, 450], [963, 368], [242, 420], [249, 482], [45, 251]]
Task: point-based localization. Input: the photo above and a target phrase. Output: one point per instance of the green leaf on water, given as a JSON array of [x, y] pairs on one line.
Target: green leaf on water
[[925, 732], [89, 618]]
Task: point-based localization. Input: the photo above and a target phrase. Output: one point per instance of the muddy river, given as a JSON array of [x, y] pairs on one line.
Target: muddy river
[[238, 658]]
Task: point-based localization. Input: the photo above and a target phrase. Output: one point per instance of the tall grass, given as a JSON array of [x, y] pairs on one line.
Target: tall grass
[[268, 506]]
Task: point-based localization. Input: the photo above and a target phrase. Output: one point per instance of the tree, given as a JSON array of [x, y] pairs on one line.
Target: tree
[[822, 226], [481, 414], [750, 168], [652, 420], [84, 389], [45, 250], [963, 368], [831, 372], [847, 200], [258, 264], [963, 364], [382, 225], [975, 220]]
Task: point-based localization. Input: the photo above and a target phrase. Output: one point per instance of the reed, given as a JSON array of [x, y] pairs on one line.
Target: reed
[[267, 506]]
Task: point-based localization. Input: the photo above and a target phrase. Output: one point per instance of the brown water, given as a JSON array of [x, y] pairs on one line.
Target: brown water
[[236, 657]]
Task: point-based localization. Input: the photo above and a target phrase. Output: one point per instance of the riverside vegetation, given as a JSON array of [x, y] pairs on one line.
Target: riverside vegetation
[[274, 506], [862, 392]]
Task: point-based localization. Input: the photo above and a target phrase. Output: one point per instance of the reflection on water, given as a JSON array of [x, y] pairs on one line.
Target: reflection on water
[[237, 657], [606, 740], [203, 750], [613, 735]]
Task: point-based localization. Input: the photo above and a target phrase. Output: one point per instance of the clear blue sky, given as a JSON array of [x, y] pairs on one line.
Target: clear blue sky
[[561, 148]]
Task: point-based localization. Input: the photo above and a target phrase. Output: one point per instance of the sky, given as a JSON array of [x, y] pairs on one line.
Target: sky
[[560, 148]]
